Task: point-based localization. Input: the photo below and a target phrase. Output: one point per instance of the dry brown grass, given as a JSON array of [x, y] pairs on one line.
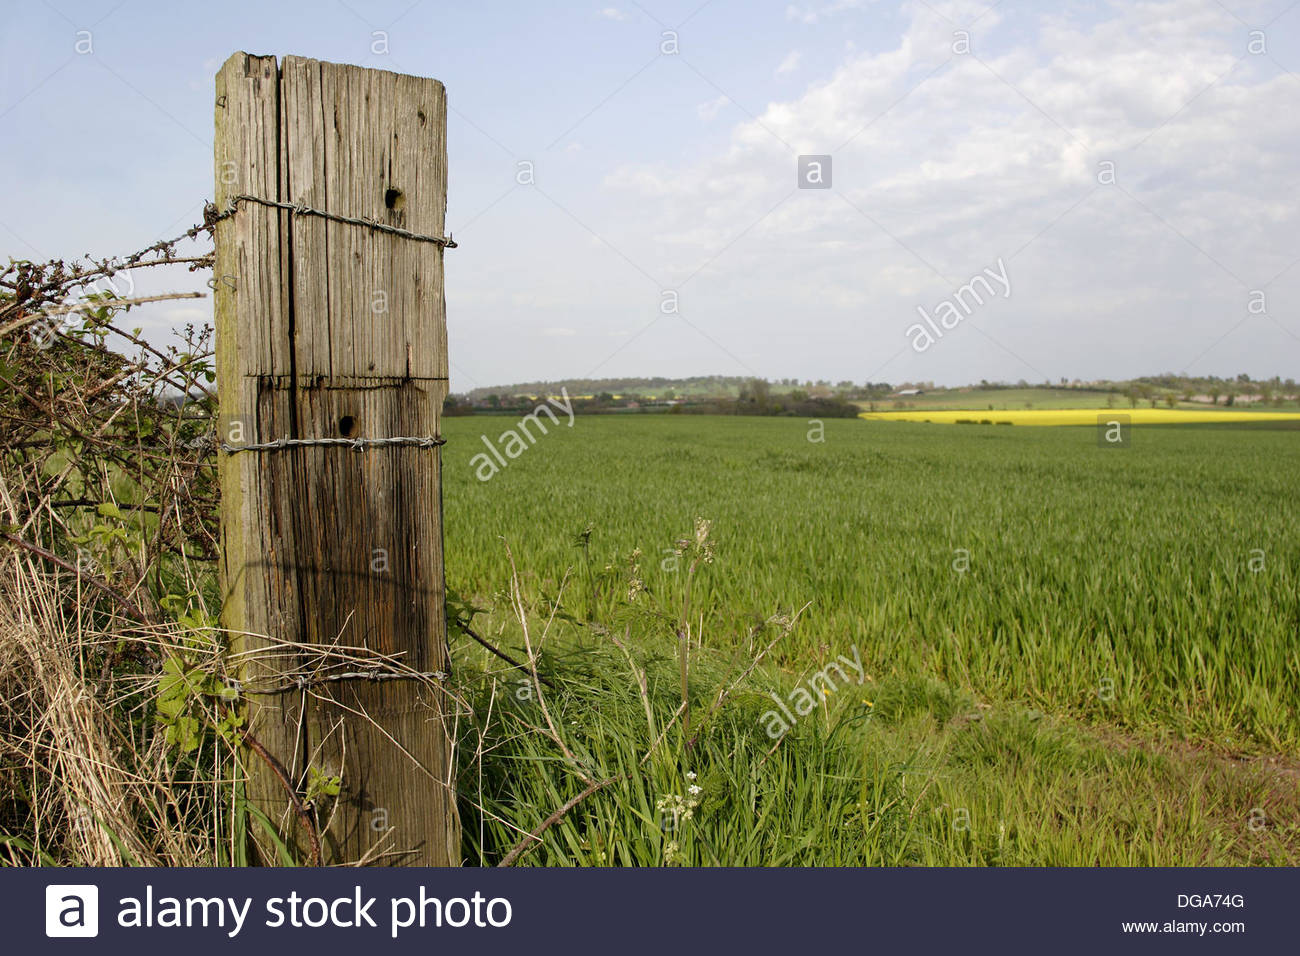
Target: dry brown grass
[[87, 781]]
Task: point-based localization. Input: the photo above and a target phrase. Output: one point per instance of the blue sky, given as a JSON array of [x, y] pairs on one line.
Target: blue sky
[[676, 172]]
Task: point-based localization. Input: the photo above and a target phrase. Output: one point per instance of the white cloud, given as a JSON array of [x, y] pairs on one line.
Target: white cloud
[[812, 14], [789, 64], [990, 156], [612, 13], [181, 314], [712, 108]]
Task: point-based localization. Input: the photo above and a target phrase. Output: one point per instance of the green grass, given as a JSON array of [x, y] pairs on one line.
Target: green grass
[[1094, 688], [1093, 573], [897, 772]]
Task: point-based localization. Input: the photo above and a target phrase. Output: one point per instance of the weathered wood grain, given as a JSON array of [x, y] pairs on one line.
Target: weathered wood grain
[[335, 330]]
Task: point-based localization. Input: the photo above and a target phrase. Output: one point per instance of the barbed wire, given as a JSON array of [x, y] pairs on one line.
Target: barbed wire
[[31, 286], [356, 444], [212, 215], [305, 681]]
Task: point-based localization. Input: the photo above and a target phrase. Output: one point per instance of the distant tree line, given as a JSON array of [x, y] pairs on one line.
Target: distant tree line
[[734, 395]]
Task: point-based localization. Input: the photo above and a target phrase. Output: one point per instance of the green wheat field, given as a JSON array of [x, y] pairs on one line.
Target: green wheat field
[[1066, 654]]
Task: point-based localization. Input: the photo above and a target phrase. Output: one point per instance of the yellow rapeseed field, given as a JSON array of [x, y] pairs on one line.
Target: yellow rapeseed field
[[1082, 416]]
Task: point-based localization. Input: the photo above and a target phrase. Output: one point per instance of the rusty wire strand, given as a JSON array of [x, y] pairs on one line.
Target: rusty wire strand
[[211, 216], [356, 444], [303, 681]]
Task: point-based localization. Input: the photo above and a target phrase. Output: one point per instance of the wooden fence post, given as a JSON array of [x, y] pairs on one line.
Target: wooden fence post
[[326, 330]]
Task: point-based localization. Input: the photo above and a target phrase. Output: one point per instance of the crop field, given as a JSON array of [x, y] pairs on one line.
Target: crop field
[[1005, 398], [1041, 397], [1085, 416], [1068, 653]]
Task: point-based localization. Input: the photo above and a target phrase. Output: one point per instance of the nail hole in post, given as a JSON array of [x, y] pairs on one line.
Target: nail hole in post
[[393, 199], [347, 426]]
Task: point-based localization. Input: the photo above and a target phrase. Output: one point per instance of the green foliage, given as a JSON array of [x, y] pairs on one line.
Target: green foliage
[[460, 611], [321, 785], [187, 694]]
